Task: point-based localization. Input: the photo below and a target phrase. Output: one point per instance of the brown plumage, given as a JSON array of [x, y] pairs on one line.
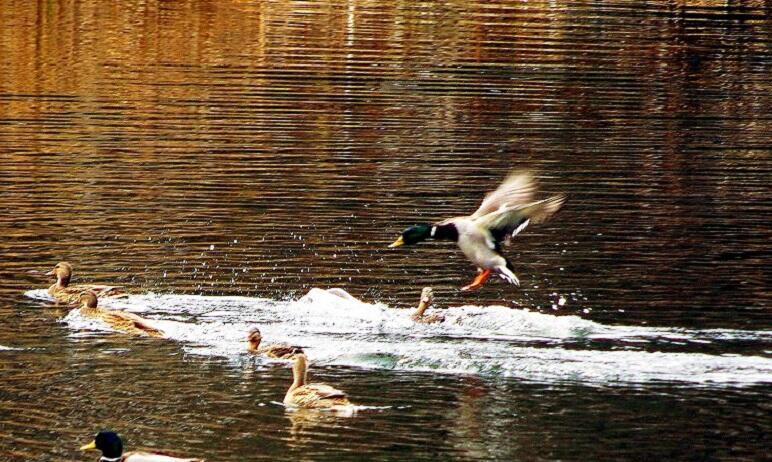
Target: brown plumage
[[122, 321], [427, 298], [64, 292], [274, 350], [313, 395]]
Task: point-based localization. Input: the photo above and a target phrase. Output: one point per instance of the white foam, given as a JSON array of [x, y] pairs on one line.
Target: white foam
[[75, 318], [38, 294], [7, 348], [336, 328]]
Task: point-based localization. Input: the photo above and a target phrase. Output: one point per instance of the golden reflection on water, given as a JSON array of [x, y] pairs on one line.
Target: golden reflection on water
[[263, 148], [164, 129]]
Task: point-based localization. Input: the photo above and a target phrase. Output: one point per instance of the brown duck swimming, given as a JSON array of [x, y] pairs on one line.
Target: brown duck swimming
[[122, 321], [64, 292], [313, 395], [427, 298], [274, 350]]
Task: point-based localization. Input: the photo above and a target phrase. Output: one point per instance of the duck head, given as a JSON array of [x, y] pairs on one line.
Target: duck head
[[62, 272], [108, 442], [87, 299], [427, 297], [414, 235], [445, 231], [253, 339]]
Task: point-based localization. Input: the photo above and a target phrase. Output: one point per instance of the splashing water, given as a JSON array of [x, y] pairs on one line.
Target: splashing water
[[336, 328], [7, 348]]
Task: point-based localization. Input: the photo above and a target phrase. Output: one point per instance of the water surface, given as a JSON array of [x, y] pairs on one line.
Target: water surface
[[221, 159]]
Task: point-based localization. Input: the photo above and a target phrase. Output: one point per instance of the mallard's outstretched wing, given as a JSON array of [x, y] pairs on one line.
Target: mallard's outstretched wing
[[507, 222], [517, 189]]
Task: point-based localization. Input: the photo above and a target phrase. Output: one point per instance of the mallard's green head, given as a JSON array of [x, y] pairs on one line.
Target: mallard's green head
[[414, 235], [108, 442]]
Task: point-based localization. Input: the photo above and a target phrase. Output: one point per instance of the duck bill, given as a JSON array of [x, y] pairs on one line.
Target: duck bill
[[397, 243], [86, 447], [50, 273]]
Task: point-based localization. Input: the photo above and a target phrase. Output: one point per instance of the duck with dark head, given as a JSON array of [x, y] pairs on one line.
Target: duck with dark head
[[503, 214], [63, 291], [112, 451]]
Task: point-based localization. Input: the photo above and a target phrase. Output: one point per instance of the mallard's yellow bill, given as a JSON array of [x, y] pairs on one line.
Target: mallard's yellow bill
[[398, 242], [86, 447]]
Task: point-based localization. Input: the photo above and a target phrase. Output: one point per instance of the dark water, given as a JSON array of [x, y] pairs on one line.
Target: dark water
[[263, 149]]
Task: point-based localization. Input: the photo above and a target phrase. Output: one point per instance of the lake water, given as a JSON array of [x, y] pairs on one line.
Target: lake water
[[228, 161]]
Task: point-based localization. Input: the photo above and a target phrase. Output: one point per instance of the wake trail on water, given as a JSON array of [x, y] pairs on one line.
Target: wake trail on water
[[335, 328]]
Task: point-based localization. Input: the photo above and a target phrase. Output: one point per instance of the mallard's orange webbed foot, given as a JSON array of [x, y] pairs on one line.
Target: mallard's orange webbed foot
[[478, 281]]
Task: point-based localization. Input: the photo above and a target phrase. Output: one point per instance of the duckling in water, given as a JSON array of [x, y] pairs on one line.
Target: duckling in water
[[122, 321], [64, 292], [427, 297], [112, 451], [302, 394], [274, 350]]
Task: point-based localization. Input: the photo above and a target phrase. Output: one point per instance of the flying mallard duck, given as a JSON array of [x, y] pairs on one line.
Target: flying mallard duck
[[275, 350], [64, 292], [118, 320], [112, 451], [427, 297], [306, 395], [501, 216]]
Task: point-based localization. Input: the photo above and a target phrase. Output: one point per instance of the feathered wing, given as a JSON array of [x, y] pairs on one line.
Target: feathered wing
[[318, 395], [72, 293], [325, 391], [507, 222], [123, 319], [279, 350], [108, 291], [517, 189]]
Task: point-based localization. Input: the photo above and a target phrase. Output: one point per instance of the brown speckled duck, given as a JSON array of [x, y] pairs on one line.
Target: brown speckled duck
[[302, 394], [274, 350], [64, 292], [122, 321], [427, 297]]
